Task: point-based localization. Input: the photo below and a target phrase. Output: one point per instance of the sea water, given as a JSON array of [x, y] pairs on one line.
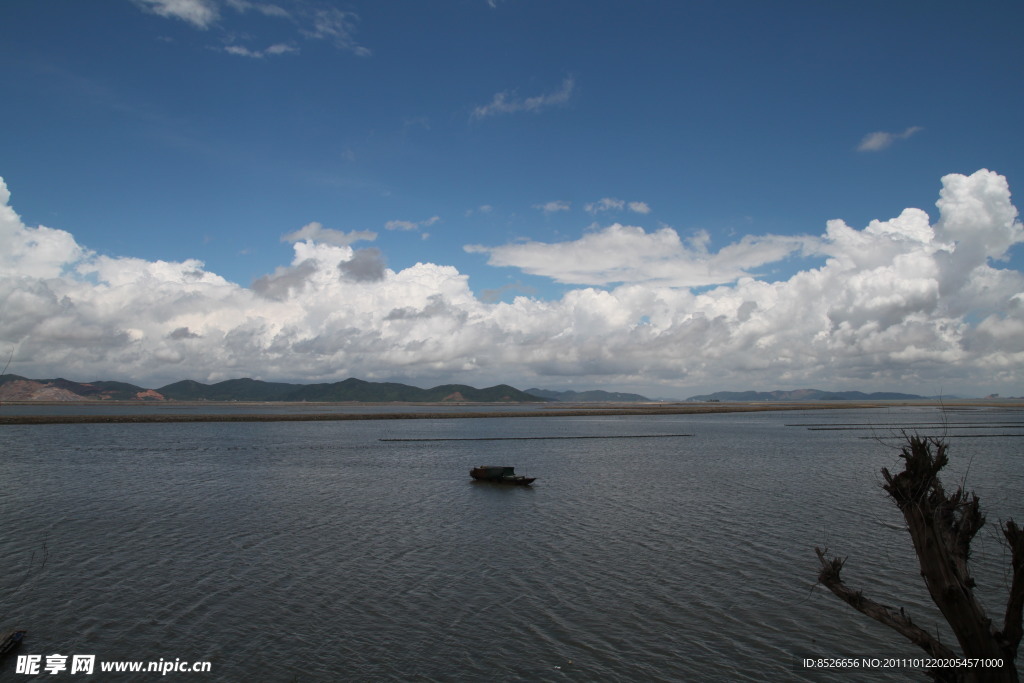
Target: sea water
[[679, 548]]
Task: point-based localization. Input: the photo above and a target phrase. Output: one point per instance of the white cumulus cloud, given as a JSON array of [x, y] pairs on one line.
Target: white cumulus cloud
[[904, 303], [315, 232], [605, 204], [622, 253]]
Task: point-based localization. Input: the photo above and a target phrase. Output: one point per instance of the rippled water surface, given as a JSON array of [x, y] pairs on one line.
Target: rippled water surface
[[318, 551]]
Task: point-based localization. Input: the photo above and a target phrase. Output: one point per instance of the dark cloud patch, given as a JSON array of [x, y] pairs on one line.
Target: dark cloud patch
[[366, 265], [183, 333], [436, 306], [283, 281]]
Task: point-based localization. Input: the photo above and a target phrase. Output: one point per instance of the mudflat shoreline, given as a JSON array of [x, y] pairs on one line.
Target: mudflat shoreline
[[471, 411]]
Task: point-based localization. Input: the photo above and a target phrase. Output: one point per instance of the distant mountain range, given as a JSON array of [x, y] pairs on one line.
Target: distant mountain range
[[595, 396], [351, 389], [805, 395], [15, 388]]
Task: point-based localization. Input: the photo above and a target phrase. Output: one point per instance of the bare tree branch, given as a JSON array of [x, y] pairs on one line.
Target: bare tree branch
[[1012, 622], [894, 619], [942, 526]]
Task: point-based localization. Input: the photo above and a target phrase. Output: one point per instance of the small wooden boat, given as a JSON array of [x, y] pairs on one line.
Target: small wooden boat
[[500, 475], [9, 640]]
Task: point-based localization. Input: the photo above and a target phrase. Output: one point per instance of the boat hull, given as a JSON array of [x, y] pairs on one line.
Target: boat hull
[[10, 640], [500, 475]]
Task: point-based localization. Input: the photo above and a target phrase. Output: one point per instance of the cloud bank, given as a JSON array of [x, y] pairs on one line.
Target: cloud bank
[[900, 304]]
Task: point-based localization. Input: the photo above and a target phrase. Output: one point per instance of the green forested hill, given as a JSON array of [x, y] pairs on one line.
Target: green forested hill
[[351, 389]]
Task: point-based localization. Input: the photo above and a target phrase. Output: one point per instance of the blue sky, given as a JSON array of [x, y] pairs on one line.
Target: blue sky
[[542, 150]]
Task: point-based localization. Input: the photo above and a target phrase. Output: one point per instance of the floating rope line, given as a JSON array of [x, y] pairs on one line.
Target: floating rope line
[[876, 428], [944, 436], [539, 438]]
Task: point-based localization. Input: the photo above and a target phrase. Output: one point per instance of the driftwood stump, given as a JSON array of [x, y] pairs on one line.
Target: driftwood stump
[[942, 526]]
